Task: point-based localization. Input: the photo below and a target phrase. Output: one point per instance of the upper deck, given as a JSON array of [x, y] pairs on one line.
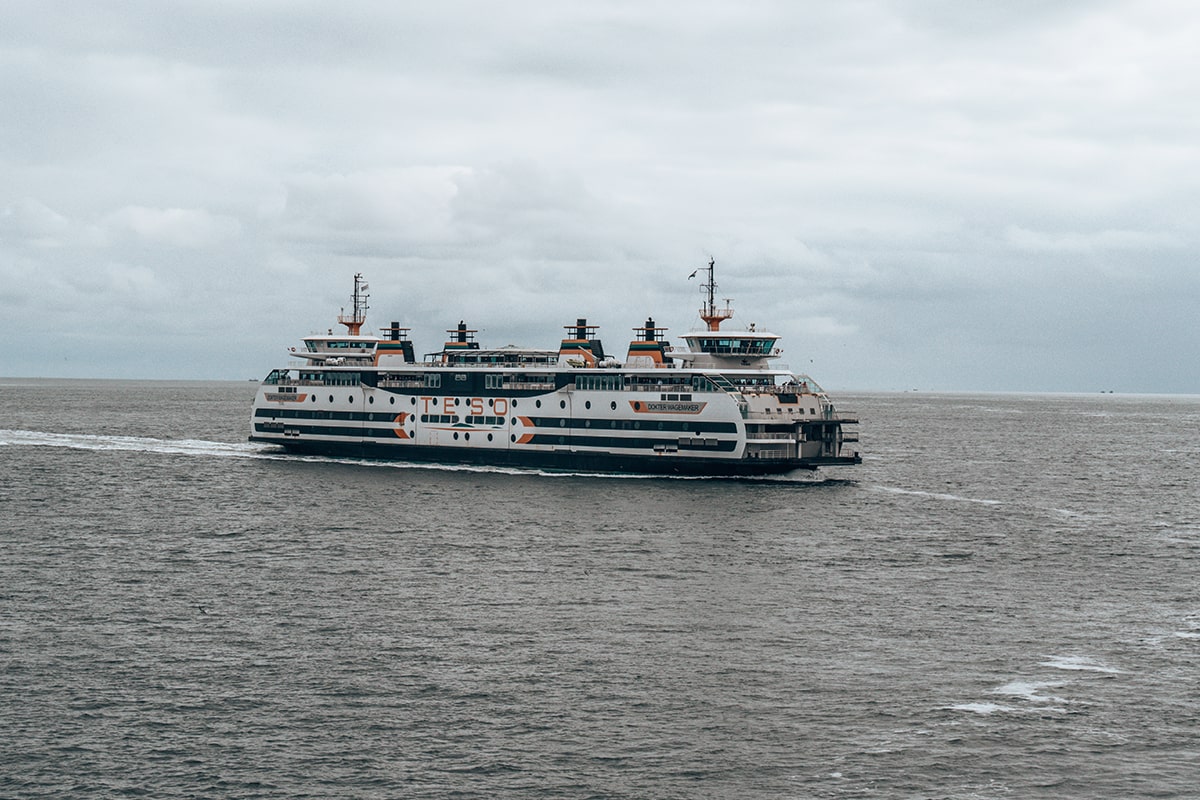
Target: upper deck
[[739, 358]]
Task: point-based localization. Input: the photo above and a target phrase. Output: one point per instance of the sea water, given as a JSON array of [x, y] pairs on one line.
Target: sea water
[[1002, 601]]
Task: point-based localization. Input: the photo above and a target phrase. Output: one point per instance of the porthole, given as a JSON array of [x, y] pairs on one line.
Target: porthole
[[314, 398], [538, 404], [491, 402], [351, 398], [613, 405], [456, 436], [562, 440], [660, 426], [514, 403], [457, 401], [562, 403], [513, 437], [371, 399], [637, 406], [489, 437], [467, 436], [588, 404], [587, 423], [637, 425], [331, 398], [392, 401], [562, 423], [412, 400], [514, 421]]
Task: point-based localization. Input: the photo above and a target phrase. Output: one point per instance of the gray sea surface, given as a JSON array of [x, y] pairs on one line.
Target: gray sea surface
[[1003, 601]]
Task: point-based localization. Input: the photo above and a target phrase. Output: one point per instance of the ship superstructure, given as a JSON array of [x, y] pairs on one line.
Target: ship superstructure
[[715, 407]]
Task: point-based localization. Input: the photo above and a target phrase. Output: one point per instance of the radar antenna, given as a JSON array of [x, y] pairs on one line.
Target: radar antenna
[[712, 315], [355, 320]]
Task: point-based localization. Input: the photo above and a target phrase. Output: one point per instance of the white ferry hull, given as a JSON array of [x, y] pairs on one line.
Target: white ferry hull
[[612, 432]]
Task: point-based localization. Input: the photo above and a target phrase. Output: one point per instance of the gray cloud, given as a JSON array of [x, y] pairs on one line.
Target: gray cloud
[[935, 195]]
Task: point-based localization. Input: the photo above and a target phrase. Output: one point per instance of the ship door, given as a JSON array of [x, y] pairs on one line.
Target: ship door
[[566, 409], [828, 443]]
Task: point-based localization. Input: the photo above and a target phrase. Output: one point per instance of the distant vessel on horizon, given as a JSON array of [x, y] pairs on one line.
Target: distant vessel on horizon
[[715, 408]]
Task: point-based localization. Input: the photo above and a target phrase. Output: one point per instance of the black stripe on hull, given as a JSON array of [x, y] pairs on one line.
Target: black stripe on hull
[[545, 439], [562, 461]]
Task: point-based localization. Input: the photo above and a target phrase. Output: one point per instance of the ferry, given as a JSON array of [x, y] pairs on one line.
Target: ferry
[[714, 407]]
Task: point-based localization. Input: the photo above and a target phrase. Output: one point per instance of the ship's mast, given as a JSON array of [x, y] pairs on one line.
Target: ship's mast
[[710, 313], [355, 320]]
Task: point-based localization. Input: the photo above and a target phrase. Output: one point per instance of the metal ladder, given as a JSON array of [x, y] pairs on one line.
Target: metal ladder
[[722, 383]]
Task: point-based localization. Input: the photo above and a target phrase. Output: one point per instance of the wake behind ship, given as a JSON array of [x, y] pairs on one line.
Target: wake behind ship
[[715, 407]]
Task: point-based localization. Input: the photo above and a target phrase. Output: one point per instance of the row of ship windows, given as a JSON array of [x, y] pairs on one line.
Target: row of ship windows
[[563, 440], [433, 380], [747, 346], [449, 419], [312, 346], [458, 401], [332, 378], [594, 383]]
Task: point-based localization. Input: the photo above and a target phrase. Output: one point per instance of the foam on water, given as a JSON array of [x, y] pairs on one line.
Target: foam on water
[[1079, 664], [141, 444], [954, 498], [937, 495], [1030, 691], [981, 708]]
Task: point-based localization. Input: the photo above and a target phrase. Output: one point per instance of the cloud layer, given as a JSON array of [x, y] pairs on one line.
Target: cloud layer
[[916, 195]]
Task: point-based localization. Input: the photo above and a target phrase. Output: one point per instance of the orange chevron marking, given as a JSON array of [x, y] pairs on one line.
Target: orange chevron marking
[[399, 429]]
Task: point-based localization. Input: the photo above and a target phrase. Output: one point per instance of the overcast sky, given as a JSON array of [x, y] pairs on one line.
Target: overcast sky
[[937, 195]]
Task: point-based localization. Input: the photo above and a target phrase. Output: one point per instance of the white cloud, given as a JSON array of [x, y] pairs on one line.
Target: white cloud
[[139, 286], [390, 206], [30, 221], [175, 227], [1073, 241], [825, 326]]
